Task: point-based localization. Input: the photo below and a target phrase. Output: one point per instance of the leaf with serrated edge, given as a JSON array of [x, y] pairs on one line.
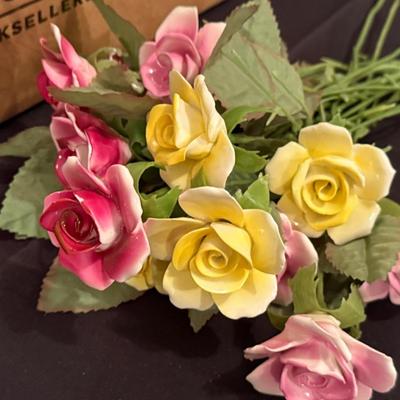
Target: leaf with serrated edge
[[307, 288], [235, 116], [256, 196], [62, 291], [247, 66], [107, 102], [372, 257], [23, 203], [27, 142], [127, 34], [248, 160], [198, 319]]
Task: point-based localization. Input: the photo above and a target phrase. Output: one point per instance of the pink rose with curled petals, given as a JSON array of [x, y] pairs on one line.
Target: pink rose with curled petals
[[97, 147], [299, 252], [63, 69], [97, 225], [178, 45], [381, 289], [313, 359]]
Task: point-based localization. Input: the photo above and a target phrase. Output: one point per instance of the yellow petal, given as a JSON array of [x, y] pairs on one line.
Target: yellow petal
[[298, 183], [157, 118], [183, 290], [138, 282], [228, 283], [158, 268], [251, 299], [164, 233], [179, 175], [268, 251], [377, 170], [220, 162], [199, 148], [234, 237], [283, 166], [211, 204], [325, 139], [287, 205], [187, 247], [178, 84], [359, 224]]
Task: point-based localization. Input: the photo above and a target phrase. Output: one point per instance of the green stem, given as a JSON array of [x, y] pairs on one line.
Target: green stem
[[386, 28]]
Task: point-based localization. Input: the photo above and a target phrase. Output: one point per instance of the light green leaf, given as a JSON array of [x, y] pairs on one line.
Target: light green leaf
[[308, 297], [27, 142], [248, 66], [127, 34], [198, 319], [235, 116], [389, 207], [105, 57], [248, 161], [158, 204], [256, 196], [372, 257], [23, 203], [62, 291], [105, 101], [278, 315]]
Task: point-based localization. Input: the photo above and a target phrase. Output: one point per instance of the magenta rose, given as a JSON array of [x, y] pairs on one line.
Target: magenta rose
[[313, 359], [97, 226], [97, 147], [299, 252], [381, 289], [63, 69], [179, 45]]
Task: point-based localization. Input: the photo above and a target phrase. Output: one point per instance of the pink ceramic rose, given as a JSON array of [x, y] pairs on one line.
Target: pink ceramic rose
[[313, 359], [97, 226], [383, 288], [299, 252], [97, 147], [179, 45], [63, 69]]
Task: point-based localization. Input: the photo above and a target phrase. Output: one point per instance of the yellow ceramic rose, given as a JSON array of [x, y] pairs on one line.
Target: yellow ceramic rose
[[189, 137], [329, 184], [222, 255], [150, 276]]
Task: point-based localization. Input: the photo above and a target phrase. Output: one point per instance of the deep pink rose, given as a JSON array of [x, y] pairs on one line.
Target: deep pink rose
[[97, 225], [299, 252], [97, 147], [179, 45], [63, 69], [383, 288], [313, 359]]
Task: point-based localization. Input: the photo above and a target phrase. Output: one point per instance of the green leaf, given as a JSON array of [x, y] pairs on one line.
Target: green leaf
[[235, 116], [62, 291], [199, 180], [389, 207], [256, 196], [308, 297], [23, 203], [120, 79], [248, 161], [27, 142], [372, 257], [248, 66], [264, 146], [159, 204], [105, 57], [278, 315], [198, 319], [239, 180], [127, 34], [105, 101]]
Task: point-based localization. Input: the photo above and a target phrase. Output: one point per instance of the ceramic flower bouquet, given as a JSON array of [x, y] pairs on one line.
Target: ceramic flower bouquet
[[205, 165]]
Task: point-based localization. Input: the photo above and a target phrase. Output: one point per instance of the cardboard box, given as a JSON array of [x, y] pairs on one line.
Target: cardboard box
[[23, 22]]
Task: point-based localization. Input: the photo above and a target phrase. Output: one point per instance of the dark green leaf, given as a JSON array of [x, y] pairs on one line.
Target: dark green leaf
[[62, 291], [235, 116], [278, 315], [198, 319], [372, 257], [27, 142], [248, 66], [238, 180], [107, 102], [256, 196], [248, 161], [127, 34], [23, 203]]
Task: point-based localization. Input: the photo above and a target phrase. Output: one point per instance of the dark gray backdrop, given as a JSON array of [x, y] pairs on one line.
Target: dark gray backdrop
[[146, 350]]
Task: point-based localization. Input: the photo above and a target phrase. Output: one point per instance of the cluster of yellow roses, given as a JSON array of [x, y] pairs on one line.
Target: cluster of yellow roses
[[222, 255]]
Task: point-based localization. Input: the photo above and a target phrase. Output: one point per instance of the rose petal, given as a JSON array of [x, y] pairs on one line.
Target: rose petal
[[178, 84], [59, 74], [374, 291], [146, 50], [364, 392], [208, 37]]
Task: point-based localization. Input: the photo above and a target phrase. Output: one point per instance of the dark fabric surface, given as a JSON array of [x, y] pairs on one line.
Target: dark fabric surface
[[146, 349]]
